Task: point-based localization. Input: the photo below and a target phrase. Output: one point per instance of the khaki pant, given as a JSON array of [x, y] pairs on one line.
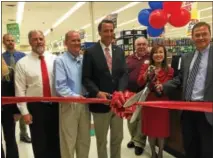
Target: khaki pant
[[102, 122], [74, 126], [135, 131]]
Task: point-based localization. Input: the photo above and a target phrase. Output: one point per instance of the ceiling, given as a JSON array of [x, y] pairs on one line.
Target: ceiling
[[42, 15]]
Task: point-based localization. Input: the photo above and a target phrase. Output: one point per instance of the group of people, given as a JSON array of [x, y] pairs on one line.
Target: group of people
[[62, 129]]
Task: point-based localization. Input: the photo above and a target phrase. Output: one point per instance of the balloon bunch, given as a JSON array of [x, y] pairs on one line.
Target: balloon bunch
[[118, 99], [160, 13]]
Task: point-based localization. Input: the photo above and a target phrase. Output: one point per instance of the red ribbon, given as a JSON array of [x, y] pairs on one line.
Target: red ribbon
[[192, 106]]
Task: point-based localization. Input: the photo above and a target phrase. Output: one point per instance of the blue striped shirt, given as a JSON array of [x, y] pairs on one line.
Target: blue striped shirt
[[199, 86], [68, 75]]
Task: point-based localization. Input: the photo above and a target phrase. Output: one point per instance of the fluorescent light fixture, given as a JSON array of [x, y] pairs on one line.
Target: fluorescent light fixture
[[65, 16], [47, 32], [129, 5], [205, 9], [140, 27], [19, 13], [70, 12], [86, 26], [125, 7], [127, 22], [206, 17]]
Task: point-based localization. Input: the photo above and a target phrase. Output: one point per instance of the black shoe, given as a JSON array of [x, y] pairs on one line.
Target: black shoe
[[130, 145], [138, 150], [25, 139]]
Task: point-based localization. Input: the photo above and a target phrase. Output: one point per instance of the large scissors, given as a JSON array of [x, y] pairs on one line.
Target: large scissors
[[140, 96]]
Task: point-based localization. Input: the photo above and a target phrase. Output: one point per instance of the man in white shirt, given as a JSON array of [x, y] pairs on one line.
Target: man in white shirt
[[34, 77]]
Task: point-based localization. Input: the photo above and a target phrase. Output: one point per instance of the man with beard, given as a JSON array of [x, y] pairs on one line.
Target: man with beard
[[34, 77], [10, 57], [134, 62]]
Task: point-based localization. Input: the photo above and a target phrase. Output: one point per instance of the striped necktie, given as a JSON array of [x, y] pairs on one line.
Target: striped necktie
[[192, 77], [108, 58]]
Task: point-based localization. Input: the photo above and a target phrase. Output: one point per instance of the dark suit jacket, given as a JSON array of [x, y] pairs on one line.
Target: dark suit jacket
[[181, 80], [97, 77], [175, 63], [8, 90]]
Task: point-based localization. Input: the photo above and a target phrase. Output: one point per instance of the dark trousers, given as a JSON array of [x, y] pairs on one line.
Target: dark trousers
[[8, 125], [197, 135], [45, 129]]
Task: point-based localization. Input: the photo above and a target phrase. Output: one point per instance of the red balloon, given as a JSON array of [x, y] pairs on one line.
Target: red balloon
[[180, 19], [171, 7], [158, 18]]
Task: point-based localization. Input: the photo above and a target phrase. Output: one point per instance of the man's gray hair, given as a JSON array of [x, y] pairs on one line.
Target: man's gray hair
[[33, 31], [141, 38]]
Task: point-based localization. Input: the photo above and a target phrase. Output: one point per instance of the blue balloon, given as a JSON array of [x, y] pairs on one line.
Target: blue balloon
[[156, 5], [143, 17], [154, 32]]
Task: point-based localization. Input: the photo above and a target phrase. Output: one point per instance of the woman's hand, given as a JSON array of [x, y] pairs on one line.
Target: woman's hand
[[159, 87]]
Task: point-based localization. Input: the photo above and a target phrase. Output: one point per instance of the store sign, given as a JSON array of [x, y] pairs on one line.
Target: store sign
[[13, 29], [113, 17]]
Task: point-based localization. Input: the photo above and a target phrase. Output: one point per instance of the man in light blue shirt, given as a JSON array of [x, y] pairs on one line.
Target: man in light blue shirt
[[74, 118]]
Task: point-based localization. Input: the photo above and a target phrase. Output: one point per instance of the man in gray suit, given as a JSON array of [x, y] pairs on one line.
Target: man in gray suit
[[195, 79]]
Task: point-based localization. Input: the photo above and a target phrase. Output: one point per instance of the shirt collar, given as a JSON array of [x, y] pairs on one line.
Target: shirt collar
[[103, 46], [139, 58], [37, 56], [14, 54], [206, 50], [78, 58]]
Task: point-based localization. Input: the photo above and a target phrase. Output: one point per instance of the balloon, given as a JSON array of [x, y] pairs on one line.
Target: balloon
[[158, 18], [154, 32], [143, 17], [156, 5], [172, 7], [180, 19]]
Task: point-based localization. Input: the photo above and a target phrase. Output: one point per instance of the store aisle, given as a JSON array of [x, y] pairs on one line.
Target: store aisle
[[25, 150]]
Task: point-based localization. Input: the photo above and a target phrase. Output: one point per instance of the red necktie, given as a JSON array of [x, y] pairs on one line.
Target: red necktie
[[108, 58], [45, 78]]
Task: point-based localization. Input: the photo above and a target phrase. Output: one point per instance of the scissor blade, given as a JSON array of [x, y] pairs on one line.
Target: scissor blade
[[135, 114], [138, 109], [133, 99]]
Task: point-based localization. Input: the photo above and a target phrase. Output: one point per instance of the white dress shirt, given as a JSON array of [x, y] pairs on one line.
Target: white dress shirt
[[103, 47], [28, 77]]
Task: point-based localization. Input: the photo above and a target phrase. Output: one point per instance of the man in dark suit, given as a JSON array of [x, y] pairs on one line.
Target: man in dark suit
[[105, 71], [196, 78]]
